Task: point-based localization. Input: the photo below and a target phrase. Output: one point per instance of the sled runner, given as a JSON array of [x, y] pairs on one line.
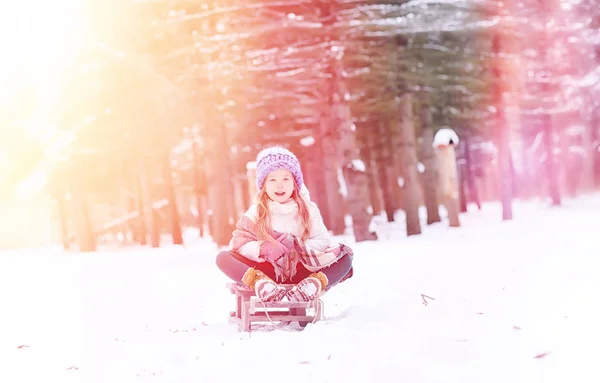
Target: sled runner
[[250, 309]]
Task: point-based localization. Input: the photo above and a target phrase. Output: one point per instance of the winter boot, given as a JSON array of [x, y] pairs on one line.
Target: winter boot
[[266, 290], [309, 288]]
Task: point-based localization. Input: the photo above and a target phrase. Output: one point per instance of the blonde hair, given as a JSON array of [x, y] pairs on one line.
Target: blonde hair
[[263, 221]]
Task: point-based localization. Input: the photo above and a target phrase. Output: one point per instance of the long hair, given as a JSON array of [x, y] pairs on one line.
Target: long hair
[[263, 221]]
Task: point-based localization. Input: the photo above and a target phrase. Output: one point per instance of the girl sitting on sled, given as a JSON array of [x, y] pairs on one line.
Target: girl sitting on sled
[[281, 239]]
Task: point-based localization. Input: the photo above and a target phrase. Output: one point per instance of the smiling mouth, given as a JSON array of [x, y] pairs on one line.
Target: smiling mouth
[[279, 194]]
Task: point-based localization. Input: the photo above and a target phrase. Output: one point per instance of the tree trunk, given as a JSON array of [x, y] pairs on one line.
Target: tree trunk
[[131, 207], [469, 176], [218, 179], [375, 196], [312, 169], [63, 217], [85, 233], [504, 168], [353, 168], [462, 186], [587, 172], [550, 167], [147, 201], [595, 156], [449, 183], [502, 133], [527, 180], [331, 161], [199, 186], [383, 159], [357, 200], [141, 231], [172, 198], [124, 199], [429, 162], [513, 175], [327, 145], [314, 179], [394, 142], [246, 195], [232, 191], [564, 166], [408, 155]]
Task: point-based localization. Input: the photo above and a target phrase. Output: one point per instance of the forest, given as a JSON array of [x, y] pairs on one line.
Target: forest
[[160, 112]]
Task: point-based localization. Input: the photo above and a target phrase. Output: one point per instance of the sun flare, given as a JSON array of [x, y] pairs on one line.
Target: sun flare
[[38, 38]]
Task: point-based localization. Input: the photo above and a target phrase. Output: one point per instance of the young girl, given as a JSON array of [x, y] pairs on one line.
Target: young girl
[[282, 238]]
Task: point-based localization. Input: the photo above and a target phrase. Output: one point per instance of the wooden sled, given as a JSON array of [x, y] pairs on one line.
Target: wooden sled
[[250, 309]]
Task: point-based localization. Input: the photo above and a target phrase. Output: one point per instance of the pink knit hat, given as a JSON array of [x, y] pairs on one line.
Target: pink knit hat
[[274, 158]]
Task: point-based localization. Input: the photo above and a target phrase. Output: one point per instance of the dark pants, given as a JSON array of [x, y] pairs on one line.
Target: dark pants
[[235, 266]]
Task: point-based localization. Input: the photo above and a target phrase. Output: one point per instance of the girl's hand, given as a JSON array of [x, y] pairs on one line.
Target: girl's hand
[[273, 251], [287, 240]]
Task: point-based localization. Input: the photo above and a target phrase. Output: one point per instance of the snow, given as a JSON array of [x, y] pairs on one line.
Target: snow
[[590, 79], [578, 149], [358, 165], [377, 223], [575, 130], [343, 189], [491, 301], [290, 73], [444, 136], [307, 141]]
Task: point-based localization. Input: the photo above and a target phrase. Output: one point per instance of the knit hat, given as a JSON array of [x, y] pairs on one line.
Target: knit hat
[[274, 158]]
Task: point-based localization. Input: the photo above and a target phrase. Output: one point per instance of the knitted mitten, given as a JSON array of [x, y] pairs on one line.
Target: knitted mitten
[[309, 288], [266, 290]]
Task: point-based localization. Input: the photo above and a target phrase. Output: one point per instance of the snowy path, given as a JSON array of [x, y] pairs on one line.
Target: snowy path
[[503, 293]]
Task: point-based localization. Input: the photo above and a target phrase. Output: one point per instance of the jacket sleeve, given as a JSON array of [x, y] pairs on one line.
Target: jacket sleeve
[[319, 239], [244, 240]]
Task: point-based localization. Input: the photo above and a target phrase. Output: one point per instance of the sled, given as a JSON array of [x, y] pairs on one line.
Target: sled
[[249, 309]]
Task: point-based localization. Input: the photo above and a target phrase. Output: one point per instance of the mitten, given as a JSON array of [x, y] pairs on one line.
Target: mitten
[[273, 251]]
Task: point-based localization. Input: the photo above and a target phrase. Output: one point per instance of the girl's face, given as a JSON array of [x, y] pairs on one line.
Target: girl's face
[[279, 185]]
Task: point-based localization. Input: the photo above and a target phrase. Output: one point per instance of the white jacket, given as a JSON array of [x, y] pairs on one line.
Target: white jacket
[[285, 219]]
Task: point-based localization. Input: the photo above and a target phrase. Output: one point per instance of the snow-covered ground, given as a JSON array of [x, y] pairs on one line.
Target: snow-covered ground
[[509, 302]]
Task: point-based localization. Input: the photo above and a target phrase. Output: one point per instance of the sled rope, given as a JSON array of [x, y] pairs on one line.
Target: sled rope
[[316, 305], [276, 325]]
